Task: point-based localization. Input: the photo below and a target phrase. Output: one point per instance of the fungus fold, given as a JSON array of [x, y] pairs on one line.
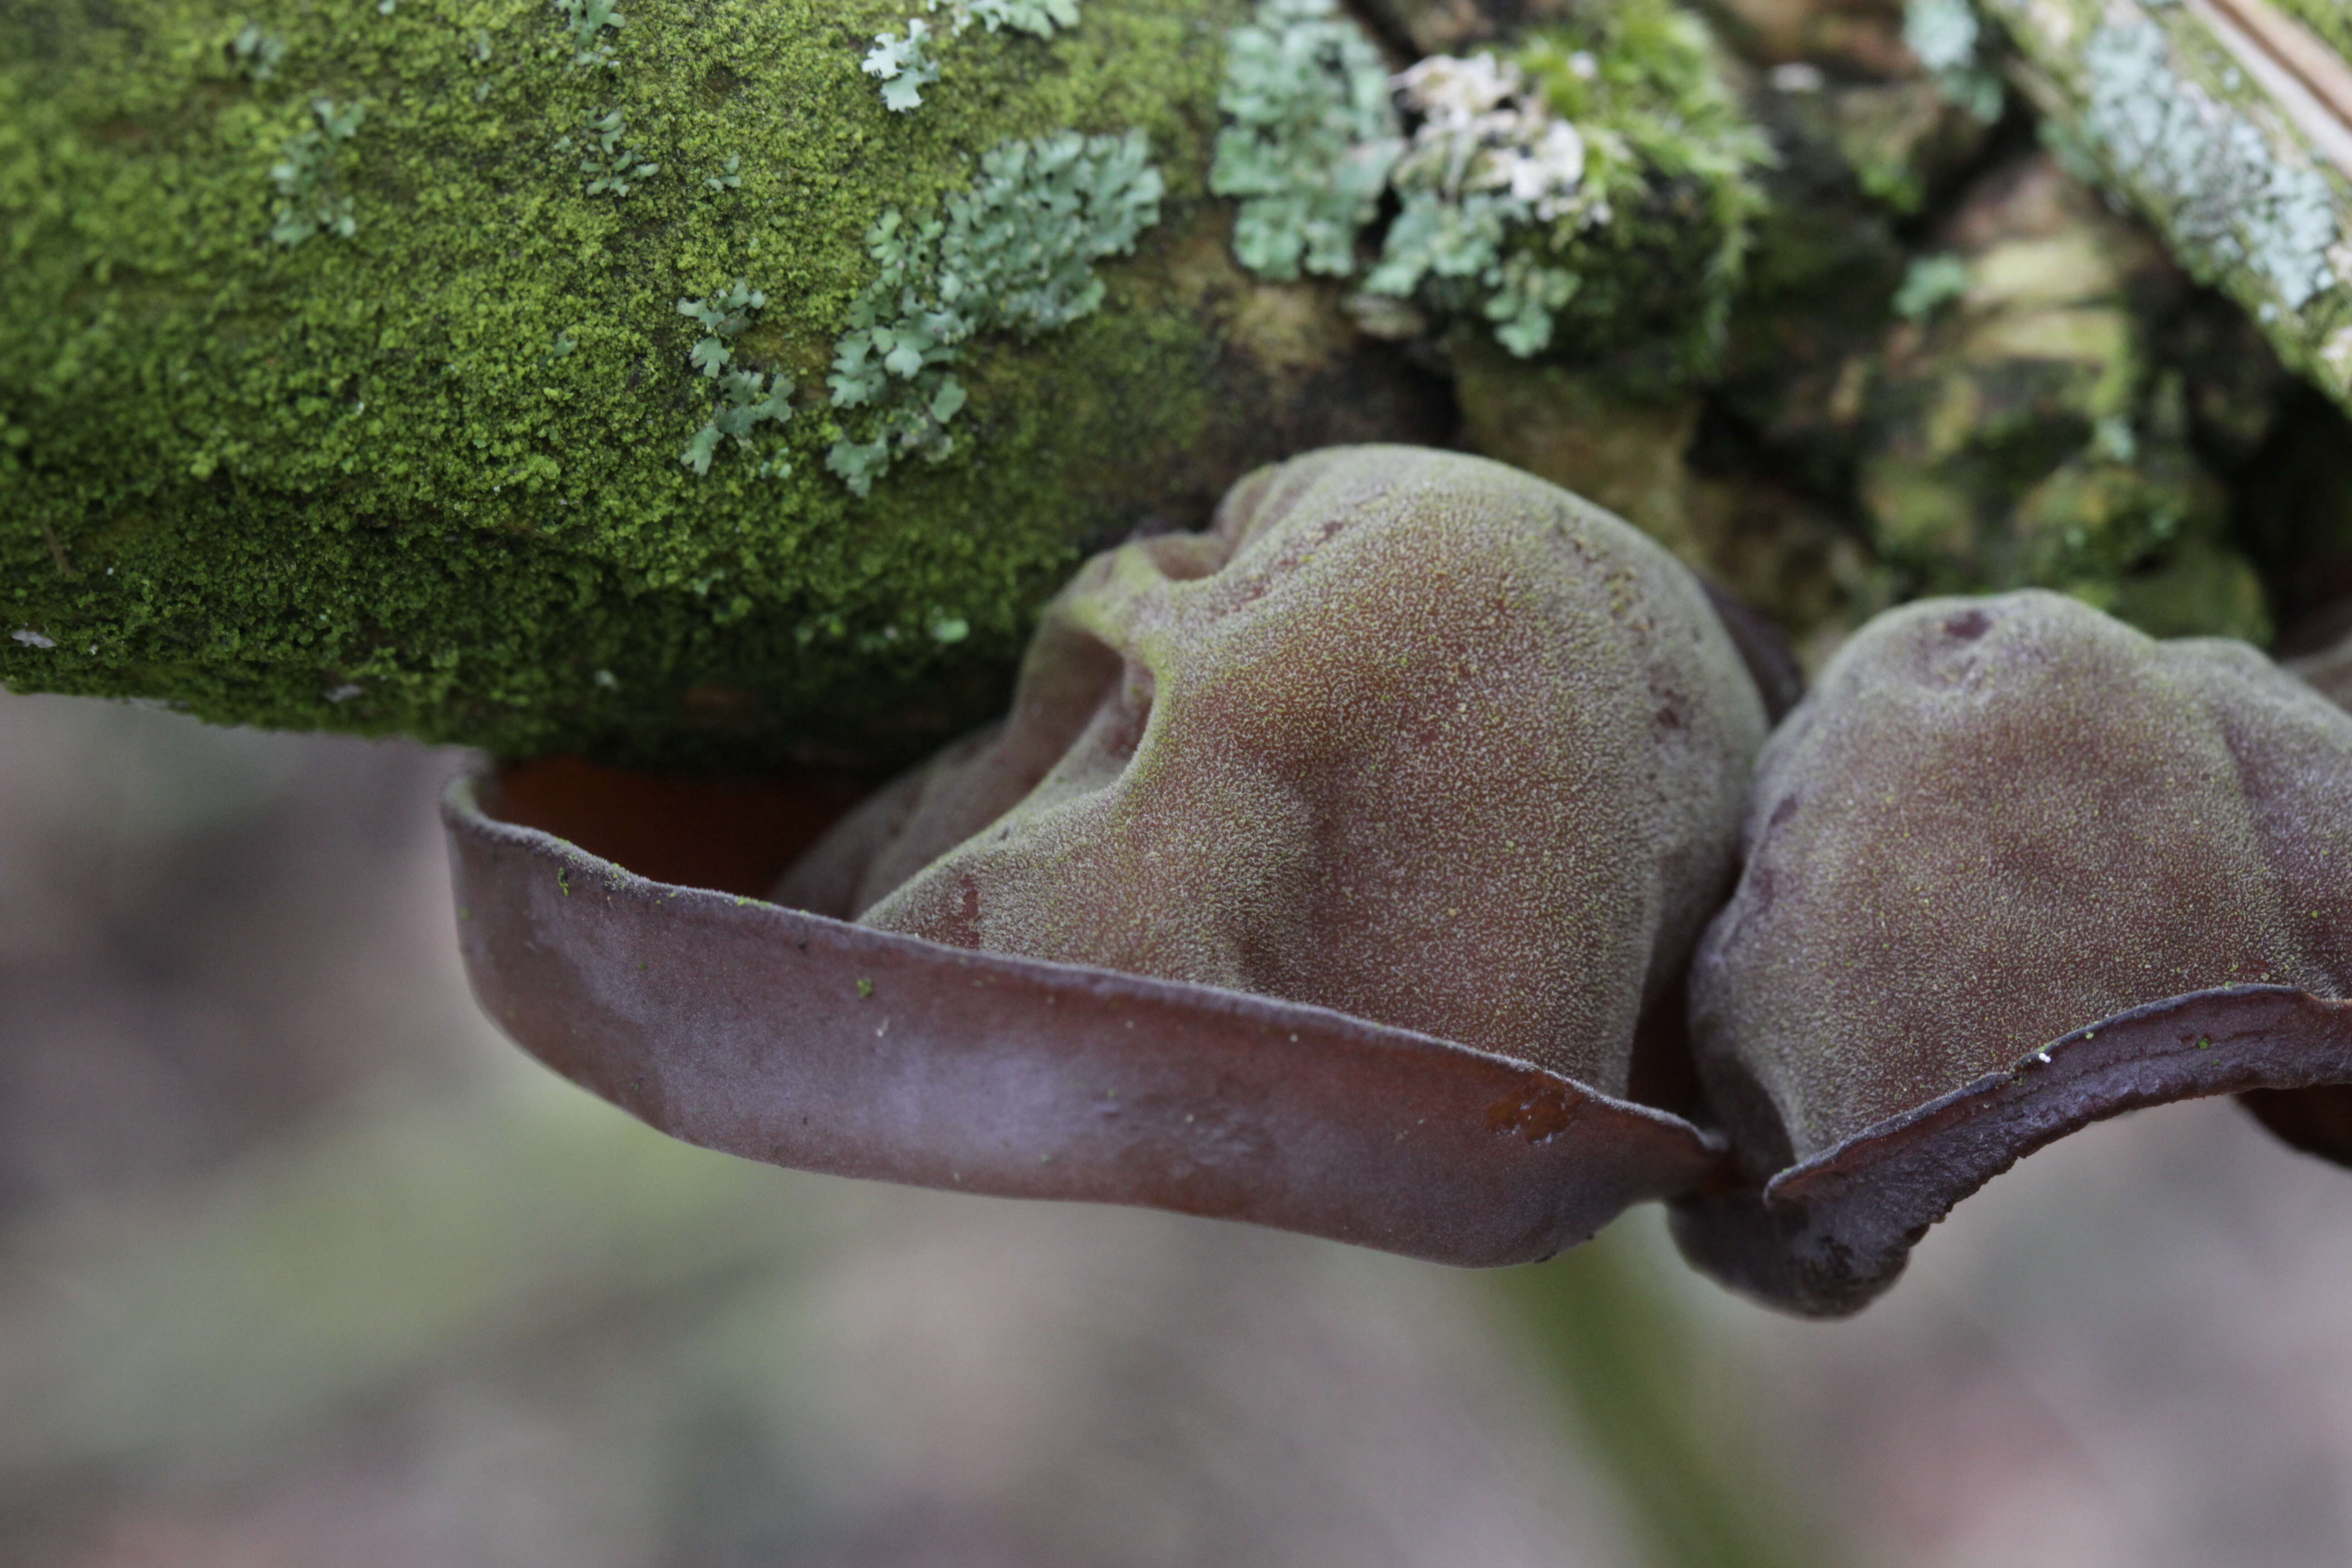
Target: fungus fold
[[1410, 735]]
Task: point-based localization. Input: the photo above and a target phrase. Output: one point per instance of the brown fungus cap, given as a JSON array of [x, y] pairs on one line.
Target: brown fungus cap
[[2011, 866], [1406, 735]]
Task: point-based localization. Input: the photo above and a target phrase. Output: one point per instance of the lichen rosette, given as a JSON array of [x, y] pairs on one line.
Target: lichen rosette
[[1582, 187]]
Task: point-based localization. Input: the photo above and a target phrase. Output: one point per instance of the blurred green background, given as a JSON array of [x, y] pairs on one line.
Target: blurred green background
[[300, 1265]]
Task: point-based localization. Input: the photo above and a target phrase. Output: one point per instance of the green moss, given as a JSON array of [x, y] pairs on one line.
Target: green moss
[[2023, 432], [427, 476]]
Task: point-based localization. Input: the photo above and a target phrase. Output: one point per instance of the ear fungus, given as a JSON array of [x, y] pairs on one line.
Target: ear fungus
[[1409, 735], [1336, 869], [2012, 867]]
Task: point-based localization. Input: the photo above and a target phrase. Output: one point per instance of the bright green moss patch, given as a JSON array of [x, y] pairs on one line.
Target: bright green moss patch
[[424, 473]]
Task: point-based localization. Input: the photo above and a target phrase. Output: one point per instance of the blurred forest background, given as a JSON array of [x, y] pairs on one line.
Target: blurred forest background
[[301, 1264]]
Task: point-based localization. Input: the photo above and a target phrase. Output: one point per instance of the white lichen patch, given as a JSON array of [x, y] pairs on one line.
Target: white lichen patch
[[1484, 127], [1016, 251], [1511, 175], [2229, 196], [908, 62], [1311, 135], [1489, 154]]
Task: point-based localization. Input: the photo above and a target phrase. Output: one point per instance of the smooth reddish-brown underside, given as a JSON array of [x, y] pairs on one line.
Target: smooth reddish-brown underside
[[808, 1042], [1826, 1235]]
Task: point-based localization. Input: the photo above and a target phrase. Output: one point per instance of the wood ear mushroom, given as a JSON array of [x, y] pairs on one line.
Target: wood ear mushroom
[[1343, 868], [1336, 869], [2012, 867]]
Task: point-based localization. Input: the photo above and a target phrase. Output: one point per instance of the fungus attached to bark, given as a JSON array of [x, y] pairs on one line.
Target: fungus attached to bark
[[2012, 867], [1337, 869]]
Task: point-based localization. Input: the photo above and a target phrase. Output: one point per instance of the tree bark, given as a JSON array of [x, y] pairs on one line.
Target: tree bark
[[2227, 123]]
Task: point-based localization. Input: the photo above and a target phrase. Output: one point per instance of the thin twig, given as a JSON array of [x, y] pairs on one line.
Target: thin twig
[[58, 553], [2298, 50]]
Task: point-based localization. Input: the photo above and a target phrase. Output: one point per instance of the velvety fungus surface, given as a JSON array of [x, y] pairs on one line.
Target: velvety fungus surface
[[1321, 877], [2011, 867], [1407, 734]]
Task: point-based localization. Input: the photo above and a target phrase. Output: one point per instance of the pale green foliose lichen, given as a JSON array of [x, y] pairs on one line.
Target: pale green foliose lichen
[[2183, 111], [1945, 36], [1487, 158], [608, 157], [1311, 135], [747, 399], [308, 199], [1657, 229], [908, 62], [2230, 197], [429, 477], [904, 63], [1015, 252], [588, 22], [1942, 32], [1930, 283], [257, 53]]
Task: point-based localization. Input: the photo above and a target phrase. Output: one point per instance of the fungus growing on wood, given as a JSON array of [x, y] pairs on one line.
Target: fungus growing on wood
[[1340, 868], [2012, 867], [1336, 868]]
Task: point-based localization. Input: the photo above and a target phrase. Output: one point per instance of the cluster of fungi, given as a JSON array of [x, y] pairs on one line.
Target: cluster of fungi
[[1421, 857]]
